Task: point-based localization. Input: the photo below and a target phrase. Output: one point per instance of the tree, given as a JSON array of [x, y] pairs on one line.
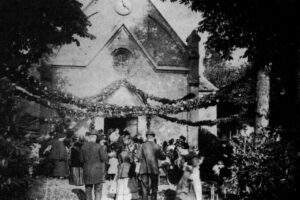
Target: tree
[[31, 29], [269, 31], [28, 30], [219, 72]]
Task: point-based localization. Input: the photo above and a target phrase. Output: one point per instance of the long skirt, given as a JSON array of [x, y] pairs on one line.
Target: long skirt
[[76, 176], [127, 189], [60, 168]]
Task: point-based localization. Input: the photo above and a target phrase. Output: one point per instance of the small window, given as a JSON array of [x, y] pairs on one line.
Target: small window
[[122, 59]]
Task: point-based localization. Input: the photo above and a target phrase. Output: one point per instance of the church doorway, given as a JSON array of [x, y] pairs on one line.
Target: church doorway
[[130, 124]]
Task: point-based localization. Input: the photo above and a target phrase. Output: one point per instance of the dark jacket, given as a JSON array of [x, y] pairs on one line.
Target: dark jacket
[[59, 156], [120, 145], [94, 158], [58, 151], [149, 155], [75, 157]]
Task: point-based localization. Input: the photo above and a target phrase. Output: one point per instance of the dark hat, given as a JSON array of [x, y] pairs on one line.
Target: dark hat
[[182, 137], [150, 133]]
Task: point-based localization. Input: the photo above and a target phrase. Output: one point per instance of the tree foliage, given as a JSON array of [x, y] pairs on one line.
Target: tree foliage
[[28, 31], [219, 72], [265, 28], [262, 170], [268, 30]]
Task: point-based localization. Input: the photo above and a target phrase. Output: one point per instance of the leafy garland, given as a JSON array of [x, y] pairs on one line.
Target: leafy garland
[[203, 122], [36, 87], [79, 114], [79, 108], [110, 89], [96, 104]]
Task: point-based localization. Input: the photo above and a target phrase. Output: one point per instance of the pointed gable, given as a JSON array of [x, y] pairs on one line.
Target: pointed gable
[[146, 25], [128, 98], [171, 50], [124, 39]]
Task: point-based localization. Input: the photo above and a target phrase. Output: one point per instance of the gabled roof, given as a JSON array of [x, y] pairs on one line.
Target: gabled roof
[[105, 23], [177, 39], [116, 31], [132, 36], [172, 32]]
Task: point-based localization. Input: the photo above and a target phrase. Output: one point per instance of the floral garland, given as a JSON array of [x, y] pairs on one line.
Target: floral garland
[[121, 111], [91, 109], [182, 106], [203, 122], [110, 89], [61, 109], [36, 87]]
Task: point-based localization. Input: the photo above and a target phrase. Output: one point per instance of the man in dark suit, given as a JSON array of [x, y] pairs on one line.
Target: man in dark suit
[[149, 154], [94, 158]]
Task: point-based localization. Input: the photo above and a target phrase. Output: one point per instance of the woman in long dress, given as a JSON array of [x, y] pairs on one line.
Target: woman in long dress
[[195, 177], [189, 186], [126, 185]]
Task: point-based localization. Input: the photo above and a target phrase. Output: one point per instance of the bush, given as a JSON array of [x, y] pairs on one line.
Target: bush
[[262, 169], [14, 174]]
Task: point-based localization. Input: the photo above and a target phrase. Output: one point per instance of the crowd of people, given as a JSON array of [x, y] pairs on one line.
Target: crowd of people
[[131, 165]]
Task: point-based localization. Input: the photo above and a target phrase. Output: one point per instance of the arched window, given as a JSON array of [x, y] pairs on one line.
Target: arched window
[[122, 59]]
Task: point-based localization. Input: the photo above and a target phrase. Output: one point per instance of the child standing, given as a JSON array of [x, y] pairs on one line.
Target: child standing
[[113, 165]]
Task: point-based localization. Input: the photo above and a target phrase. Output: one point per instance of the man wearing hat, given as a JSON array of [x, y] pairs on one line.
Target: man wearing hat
[[93, 156], [149, 154]]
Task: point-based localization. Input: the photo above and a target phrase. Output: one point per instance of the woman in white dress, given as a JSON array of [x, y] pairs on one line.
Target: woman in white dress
[[195, 177], [189, 186]]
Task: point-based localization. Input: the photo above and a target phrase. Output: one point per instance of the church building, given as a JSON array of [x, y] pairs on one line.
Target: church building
[[134, 44]]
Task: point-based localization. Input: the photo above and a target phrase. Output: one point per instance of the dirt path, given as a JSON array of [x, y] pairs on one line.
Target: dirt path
[[55, 189]]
